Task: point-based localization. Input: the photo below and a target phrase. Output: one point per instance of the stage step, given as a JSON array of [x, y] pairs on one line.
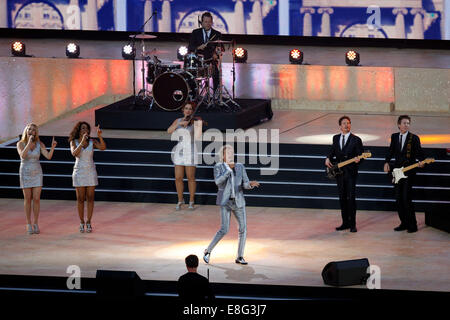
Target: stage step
[[141, 171]]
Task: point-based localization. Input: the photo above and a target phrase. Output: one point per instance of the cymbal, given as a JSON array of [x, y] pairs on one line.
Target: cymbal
[[143, 36], [221, 42]]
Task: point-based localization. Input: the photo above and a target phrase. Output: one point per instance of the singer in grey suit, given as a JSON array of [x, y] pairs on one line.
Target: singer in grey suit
[[231, 179]]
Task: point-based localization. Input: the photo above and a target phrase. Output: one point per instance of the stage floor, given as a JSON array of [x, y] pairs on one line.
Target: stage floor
[[285, 246], [296, 126]]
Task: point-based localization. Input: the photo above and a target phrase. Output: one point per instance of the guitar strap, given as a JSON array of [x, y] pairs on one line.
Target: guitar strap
[[408, 147]]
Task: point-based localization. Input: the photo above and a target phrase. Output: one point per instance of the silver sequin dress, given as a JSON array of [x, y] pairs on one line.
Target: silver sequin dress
[[185, 151], [84, 172], [30, 171]]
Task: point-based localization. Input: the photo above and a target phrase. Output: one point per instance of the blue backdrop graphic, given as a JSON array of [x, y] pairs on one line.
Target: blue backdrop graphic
[[427, 19]]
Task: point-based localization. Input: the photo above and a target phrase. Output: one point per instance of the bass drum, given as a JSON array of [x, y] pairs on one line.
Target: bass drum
[[171, 90]]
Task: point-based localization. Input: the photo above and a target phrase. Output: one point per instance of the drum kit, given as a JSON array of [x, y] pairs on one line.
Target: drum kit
[[175, 84]]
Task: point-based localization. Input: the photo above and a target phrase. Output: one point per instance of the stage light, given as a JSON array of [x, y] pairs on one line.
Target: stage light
[[18, 49], [128, 52], [72, 50], [181, 52], [240, 55], [295, 56], [352, 58]]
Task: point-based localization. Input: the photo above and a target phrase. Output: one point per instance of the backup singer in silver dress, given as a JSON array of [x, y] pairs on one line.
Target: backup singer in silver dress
[[230, 178], [30, 147], [185, 155], [84, 175]]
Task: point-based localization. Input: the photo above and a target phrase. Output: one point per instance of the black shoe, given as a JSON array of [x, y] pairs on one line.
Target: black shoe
[[342, 227], [400, 228], [353, 229], [412, 230], [241, 260]]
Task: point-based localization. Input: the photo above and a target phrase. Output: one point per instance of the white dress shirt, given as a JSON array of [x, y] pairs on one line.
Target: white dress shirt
[[403, 137], [206, 35], [345, 139]]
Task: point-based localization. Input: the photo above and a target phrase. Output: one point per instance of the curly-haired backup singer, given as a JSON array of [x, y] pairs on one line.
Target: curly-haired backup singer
[[30, 147], [84, 174], [230, 177]]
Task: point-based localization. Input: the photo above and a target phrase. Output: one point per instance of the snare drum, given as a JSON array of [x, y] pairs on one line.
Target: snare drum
[[194, 64]]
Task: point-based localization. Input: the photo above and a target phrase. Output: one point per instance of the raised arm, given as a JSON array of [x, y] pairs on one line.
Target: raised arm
[[23, 149], [101, 145], [48, 154], [73, 146], [220, 176]]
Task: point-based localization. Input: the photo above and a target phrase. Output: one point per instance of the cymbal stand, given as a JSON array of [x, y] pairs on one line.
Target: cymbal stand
[[143, 93], [225, 100], [206, 93]]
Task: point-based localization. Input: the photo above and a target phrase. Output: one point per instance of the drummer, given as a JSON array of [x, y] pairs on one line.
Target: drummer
[[198, 43]]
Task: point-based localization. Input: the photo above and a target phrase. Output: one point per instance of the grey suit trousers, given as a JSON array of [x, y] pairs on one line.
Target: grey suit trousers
[[241, 218]]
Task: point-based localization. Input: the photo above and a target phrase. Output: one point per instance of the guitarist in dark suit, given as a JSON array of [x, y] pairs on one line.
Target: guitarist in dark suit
[[198, 43], [405, 148], [346, 146]]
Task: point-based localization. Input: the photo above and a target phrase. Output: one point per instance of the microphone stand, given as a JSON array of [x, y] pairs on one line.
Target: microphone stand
[[133, 41]]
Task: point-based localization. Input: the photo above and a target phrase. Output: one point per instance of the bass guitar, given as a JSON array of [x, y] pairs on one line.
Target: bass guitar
[[336, 168]]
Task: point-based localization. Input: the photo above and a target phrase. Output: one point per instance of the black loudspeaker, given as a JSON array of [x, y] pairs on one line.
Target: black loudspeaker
[[437, 215], [346, 273], [122, 284]]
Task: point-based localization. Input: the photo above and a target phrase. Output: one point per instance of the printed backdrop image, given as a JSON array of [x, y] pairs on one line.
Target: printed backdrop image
[[404, 19]]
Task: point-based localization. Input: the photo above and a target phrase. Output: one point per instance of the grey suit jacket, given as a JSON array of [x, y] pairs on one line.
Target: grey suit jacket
[[222, 178]]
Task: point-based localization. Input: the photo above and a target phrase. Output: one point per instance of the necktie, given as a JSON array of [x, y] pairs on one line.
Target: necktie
[[233, 195], [343, 142], [206, 37], [401, 142]]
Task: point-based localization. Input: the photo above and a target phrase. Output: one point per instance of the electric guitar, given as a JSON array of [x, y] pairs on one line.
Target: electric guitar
[[399, 173], [336, 169]]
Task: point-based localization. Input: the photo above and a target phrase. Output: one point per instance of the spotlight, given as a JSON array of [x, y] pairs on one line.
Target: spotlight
[[352, 58], [181, 52], [128, 52], [240, 55], [72, 50], [18, 49], [295, 56]]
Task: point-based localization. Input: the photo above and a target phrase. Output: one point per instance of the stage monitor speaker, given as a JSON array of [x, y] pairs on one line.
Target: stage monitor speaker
[[119, 284], [346, 273], [437, 215]]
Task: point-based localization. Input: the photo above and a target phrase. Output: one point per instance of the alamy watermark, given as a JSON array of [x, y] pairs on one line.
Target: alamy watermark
[[374, 20], [74, 280], [374, 280], [263, 147]]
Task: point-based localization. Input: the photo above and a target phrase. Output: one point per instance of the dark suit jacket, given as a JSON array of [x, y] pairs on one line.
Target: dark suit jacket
[[353, 147], [197, 39], [195, 288], [400, 156]]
